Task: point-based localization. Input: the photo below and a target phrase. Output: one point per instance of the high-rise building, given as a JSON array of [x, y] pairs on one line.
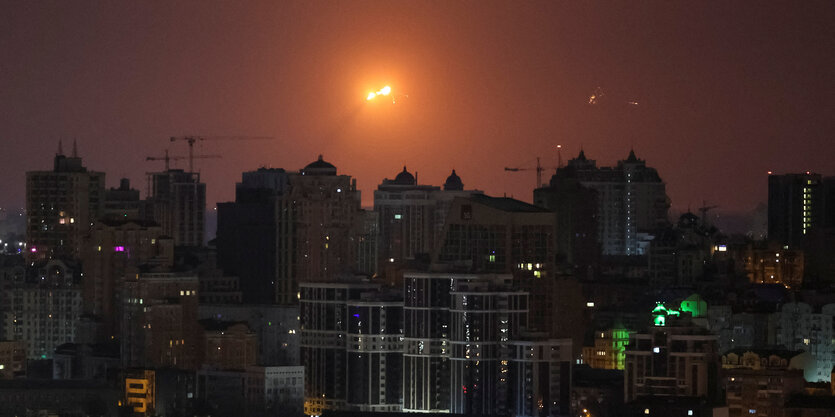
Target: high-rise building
[[795, 206], [466, 350], [61, 206], [178, 203], [286, 227], [575, 208], [412, 215], [123, 203], [45, 307], [486, 316], [427, 331], [113, 246], [351, 347], [541, 375], [367, 241], [12, 275], [327, 223], [497, 235], [159, 321], [631, 200], [254, 235]]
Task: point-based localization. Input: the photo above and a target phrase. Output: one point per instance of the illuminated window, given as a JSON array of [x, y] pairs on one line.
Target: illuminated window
[[646, 410], [397, 217], [590, 304], [656, 350]]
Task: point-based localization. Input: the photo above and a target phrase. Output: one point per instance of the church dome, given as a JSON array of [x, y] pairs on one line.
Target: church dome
[[453, 182], [404, 178], [319, 167]]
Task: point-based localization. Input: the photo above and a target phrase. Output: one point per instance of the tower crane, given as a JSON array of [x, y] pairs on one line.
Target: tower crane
[[192, 139], [168, 158], [704, 209], [538, 168]]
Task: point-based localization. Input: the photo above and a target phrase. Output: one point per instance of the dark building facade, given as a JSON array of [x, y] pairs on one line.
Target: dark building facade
[[178, 201], [631, 199], [351, 347], [290, 227], [795, 206], [61, 205]]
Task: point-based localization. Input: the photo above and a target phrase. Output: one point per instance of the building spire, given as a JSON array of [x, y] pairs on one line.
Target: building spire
[[74, 149], [60, 147]]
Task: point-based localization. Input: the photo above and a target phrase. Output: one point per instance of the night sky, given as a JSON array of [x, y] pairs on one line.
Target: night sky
[[725, 92]]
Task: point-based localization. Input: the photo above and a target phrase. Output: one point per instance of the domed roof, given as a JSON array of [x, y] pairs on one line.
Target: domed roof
[[404, 178], [319, 167], [453, 182]]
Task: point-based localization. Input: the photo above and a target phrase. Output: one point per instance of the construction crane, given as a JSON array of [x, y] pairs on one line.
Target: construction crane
[[704, 209], [538, 168], [168, 158], [191, 139]]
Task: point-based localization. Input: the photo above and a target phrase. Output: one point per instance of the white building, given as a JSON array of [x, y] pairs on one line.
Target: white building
[[800, 328]]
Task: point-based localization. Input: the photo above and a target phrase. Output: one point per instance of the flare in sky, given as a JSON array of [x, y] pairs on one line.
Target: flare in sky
[[383, 92]]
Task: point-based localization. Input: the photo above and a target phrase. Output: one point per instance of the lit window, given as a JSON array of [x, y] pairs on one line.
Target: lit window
[[656, 350], [689, 412], [590, 304], [397, 217], [646, 410]]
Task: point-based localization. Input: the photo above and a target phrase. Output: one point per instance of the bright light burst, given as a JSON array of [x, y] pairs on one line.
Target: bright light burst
[[383, 92]]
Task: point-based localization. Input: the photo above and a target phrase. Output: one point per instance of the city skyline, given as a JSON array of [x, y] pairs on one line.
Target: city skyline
[[724, 94]]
